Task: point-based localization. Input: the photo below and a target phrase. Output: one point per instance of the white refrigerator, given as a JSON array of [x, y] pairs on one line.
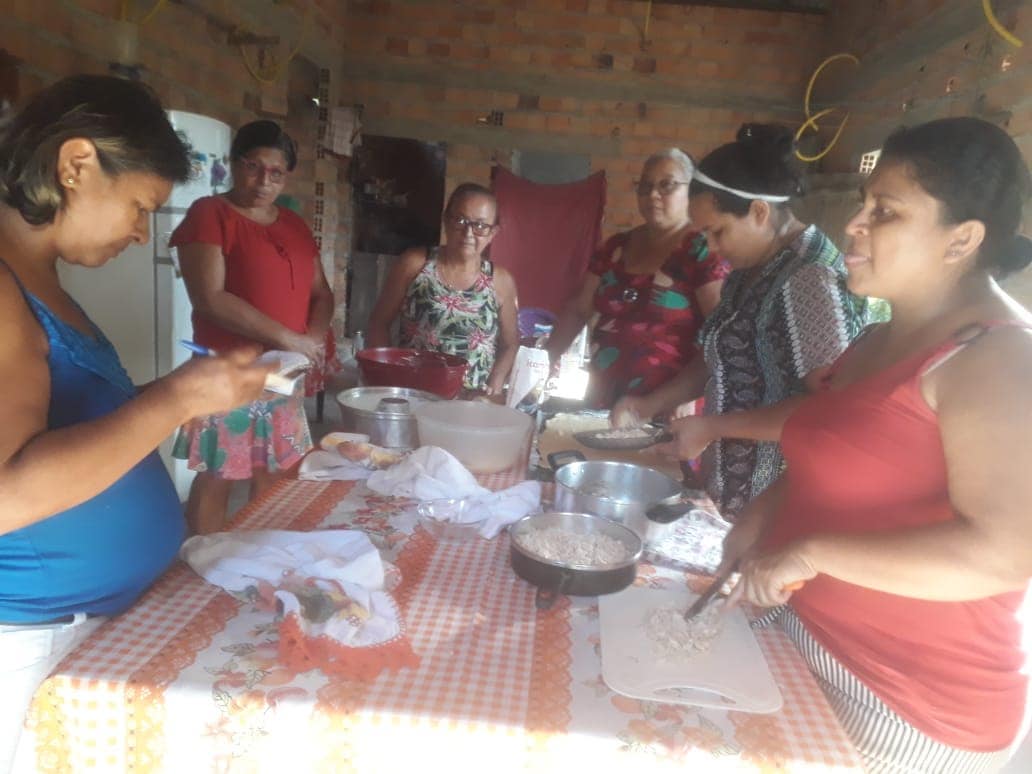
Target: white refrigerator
[[139, 299]]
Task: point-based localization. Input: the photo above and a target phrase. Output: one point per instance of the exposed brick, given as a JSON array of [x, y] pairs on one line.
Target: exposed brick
[[438, 49], [529, 102], [398, 46], [604, 61], [644, 64]]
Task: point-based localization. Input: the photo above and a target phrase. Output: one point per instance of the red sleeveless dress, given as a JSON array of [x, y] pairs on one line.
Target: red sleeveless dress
[[869, 457]]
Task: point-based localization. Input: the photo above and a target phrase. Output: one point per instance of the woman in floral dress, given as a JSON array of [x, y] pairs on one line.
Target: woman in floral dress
[[650, 289], [451, 299]]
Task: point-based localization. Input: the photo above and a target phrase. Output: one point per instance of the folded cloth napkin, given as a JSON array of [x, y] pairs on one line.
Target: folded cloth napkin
[[431, 473], [323, 465], [328, 589]]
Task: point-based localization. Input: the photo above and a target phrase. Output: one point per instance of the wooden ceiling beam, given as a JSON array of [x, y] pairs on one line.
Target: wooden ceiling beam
[[819, 7]]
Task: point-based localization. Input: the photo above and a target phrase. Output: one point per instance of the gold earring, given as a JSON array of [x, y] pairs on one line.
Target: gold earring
[[70, 181]]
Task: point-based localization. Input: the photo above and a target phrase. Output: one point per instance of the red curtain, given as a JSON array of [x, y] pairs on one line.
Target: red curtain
[[548, 234]]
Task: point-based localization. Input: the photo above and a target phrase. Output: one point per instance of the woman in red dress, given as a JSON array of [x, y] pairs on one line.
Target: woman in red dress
[[904, 510], [253, 274]]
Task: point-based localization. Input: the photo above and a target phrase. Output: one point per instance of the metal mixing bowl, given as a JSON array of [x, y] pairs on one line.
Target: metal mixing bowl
[[383, 413]]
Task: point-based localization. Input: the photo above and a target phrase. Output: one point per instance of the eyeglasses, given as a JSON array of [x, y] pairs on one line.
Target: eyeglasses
[[253, 169], [666, 186], [479, 227]]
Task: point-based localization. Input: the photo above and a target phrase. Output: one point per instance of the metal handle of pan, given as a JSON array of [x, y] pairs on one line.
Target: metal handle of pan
[[545, 598], [560, 458]]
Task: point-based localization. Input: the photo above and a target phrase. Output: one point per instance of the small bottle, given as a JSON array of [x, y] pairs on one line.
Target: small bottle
[[359, 341]]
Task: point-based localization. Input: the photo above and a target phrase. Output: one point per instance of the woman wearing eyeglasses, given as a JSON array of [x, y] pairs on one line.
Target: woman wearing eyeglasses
[[451, 299], [651, 288], [253, 274]]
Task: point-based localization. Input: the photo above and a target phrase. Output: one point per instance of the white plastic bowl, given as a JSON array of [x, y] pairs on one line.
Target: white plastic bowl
[[485, 437]]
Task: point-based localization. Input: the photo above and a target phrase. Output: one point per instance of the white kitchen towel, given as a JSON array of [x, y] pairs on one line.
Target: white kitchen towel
[[323, 465], [431, 473], [333, 580], [497, 510], [428, 473]]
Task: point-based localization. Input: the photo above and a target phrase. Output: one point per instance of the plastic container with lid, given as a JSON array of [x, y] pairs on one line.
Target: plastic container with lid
[[485, 437]]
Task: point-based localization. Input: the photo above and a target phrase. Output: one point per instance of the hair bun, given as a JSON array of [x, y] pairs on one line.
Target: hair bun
[[770, 151], [1015, 255], [767, 139]]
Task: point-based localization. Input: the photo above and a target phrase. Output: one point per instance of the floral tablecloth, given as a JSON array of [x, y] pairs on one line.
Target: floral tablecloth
[[188, 679]]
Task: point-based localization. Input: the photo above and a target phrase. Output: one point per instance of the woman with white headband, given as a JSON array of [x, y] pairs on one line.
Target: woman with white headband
[[650, 288], [784, 315]]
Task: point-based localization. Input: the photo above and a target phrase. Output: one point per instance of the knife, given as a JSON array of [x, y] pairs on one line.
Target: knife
[[699, 604], [718, 583]]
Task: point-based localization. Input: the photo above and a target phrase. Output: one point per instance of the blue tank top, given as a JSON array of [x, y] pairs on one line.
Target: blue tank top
[[99, 556]]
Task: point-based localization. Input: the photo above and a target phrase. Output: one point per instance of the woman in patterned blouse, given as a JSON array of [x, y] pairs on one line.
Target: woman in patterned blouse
[[784, 315], [451, 299], [649, 289]]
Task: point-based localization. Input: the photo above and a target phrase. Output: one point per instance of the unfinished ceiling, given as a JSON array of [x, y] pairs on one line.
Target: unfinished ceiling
[[780, 6]]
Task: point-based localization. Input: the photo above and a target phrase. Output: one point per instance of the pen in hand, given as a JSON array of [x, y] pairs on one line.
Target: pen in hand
[[273, 382], [197, 349]]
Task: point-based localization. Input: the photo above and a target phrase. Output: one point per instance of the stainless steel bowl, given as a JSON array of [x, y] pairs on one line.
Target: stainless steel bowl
[[383, 413], [620, 491]]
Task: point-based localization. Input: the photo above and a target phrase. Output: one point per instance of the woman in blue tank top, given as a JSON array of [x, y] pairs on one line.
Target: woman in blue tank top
[[88, 516]]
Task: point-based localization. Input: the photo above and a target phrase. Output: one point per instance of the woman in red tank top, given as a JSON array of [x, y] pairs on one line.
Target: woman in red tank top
[[905, 507]]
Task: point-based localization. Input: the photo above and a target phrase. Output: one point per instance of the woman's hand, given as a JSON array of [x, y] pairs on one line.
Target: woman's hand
[[312, 347], [629, 411], [768, 581], [212, 385], [692, 434]]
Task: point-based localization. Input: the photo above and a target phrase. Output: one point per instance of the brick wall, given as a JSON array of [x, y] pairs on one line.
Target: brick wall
[[926, 59], [575, 76], [187, 58]]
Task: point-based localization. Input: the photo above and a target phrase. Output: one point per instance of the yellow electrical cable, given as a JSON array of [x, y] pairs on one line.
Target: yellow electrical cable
[[1003, 32], [153, 11], [279, 70], [301, 36], [811, 119], [648, 16], [254, 73]]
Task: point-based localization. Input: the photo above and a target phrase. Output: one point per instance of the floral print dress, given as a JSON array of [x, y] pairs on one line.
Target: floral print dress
[[437, 317], [647, 323]]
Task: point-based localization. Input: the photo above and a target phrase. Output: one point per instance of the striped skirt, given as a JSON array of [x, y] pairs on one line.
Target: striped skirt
[[886, 742]]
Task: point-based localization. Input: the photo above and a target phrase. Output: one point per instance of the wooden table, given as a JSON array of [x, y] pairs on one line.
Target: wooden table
[[188, 679]]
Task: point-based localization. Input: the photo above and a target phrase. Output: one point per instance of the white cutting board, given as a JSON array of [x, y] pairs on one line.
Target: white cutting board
[[731, 675]]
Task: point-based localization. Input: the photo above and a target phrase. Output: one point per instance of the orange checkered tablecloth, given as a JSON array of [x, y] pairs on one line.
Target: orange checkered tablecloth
[[188, 679]]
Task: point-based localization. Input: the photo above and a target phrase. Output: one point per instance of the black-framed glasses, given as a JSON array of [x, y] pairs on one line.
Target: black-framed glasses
[[253, 169], [666, 186], [478, 227]]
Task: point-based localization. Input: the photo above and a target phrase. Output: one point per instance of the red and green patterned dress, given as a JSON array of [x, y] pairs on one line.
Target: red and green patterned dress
[[647, 323]]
